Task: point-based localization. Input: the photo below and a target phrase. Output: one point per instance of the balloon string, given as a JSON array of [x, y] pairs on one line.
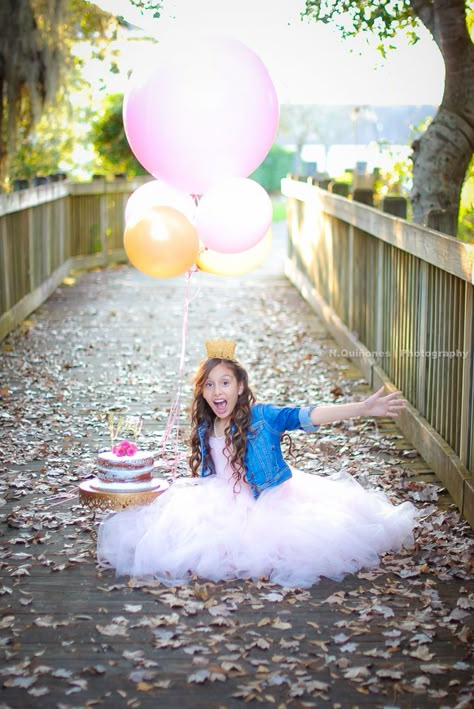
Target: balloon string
[[60, 497], [173, 418]]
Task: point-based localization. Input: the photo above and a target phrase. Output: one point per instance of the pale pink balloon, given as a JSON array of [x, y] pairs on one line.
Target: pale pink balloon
[[158, 194], [202, 110], [233, 216]]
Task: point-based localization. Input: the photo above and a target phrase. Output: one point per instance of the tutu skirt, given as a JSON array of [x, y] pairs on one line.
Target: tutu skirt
[[293, 534]]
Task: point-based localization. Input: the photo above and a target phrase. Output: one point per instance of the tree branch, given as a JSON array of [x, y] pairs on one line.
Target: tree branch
[[424, 10]]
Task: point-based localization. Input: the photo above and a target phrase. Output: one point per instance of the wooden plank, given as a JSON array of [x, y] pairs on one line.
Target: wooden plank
[[441, 250], [103, 227], [60, 640], [424, 437], [468, 500], [98, 187], [336, 327], [32, 197], [432, 447], [350, 277], [467, 412], [30, 302], [5, 261], [51, 192]]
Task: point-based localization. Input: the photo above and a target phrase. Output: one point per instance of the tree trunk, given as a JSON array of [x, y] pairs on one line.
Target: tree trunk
[[30, 61], [442, 155], [440, 161]]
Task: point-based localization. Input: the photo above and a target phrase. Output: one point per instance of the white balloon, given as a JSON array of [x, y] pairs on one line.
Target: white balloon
[[233, 215], [158, 194]]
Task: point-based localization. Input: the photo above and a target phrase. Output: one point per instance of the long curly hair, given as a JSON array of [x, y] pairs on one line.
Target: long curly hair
[[202, 414]]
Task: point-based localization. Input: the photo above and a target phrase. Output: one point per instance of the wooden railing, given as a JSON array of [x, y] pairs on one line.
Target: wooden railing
[[397, 297], [48, 230], [399, 300]]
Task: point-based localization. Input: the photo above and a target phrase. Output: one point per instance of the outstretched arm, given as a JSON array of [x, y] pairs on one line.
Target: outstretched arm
[[375, 405]]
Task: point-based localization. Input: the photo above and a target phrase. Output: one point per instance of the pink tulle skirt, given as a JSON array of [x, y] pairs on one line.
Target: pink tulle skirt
[[305, 528]]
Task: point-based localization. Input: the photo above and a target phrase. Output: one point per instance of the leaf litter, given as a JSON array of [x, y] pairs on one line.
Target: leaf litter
[[403, 630]]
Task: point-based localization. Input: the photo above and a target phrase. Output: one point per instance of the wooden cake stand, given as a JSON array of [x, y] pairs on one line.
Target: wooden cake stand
[[104, 500]]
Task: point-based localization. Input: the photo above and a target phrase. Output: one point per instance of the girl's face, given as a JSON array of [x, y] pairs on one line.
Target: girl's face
[[221, 390]]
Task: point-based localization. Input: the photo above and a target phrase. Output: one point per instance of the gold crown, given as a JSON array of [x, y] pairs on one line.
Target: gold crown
[[220, 349]]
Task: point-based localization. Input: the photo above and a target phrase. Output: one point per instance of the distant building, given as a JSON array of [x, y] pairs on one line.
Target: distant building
[[334, 138]]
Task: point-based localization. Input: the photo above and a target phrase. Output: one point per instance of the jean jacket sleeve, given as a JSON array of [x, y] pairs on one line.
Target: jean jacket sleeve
[[288, 418]]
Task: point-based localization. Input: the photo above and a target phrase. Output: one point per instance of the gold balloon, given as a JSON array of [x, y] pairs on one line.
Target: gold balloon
[[235, 264], [162, 242]]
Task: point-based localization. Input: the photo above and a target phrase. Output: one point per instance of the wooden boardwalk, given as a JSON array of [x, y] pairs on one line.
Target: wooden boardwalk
[[73, 635]]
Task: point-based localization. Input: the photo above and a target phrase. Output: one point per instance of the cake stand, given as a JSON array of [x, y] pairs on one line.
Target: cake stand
[[105, 500]]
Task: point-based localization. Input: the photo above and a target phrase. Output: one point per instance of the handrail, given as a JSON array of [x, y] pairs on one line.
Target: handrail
[[399, 298], [46, 231], [392, 293], [36, 196], [454, 256]]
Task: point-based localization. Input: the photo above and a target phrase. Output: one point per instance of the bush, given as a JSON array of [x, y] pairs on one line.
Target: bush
[[114, 154], [273, 169], [466, 207]]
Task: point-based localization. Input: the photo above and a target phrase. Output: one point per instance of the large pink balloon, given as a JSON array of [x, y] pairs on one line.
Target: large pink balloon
[[233, 215], [158, 194], [201, 110]]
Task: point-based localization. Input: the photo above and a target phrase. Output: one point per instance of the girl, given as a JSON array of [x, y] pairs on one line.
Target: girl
[[245, 513]]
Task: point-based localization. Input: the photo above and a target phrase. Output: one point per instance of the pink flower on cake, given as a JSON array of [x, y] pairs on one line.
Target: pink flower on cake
[[124, 448]]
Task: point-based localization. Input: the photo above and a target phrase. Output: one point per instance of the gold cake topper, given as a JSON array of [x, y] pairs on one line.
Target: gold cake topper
[[220, 349], [119, 425]]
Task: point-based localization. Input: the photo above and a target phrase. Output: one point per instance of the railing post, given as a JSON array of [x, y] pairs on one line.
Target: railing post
[[422, 343], [350, 277], [32, 266], [467, 395], [330, 276], [6, 261], [396, 205], [103, 223], [379, 287], [47, 236], [340, 188], [364, 196], [62, 228], [443, 220]]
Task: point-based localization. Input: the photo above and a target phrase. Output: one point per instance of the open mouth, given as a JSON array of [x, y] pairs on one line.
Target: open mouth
[[220, 406]]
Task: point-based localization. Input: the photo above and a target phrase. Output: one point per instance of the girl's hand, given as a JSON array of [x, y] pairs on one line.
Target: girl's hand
[[380, 405], [375, 405]]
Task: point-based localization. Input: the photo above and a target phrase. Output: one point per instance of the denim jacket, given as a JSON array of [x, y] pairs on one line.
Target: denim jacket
[[263, 459]]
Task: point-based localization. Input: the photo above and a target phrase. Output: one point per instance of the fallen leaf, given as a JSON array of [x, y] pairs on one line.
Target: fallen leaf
[[112, 630], [422, 653]]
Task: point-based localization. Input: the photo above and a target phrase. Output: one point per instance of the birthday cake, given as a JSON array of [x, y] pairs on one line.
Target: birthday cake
[[124, 469]]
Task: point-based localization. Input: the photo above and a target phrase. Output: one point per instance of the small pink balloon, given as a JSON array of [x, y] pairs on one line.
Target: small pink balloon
[[158, 194], [233, 216], [201, 110]]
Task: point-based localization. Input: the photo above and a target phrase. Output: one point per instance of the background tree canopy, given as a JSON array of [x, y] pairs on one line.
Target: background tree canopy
[[36, 62], [442, 155], [110, 142]]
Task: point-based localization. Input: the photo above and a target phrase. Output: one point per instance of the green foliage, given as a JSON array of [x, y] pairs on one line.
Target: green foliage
[[276, 165], [110, 142], [466, 208], [52, 144], [44, 150], [148, 6], [39, 76], [398, 180], [278, 210], [379, 17]]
